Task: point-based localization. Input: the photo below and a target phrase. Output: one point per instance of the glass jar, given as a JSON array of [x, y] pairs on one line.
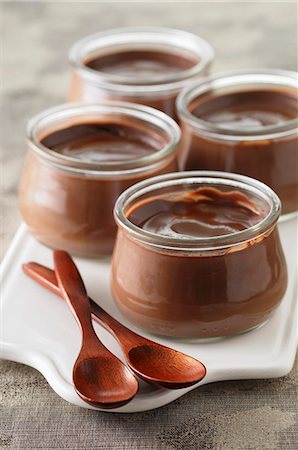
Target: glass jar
[[141, 65], [67, 202], [198, 286], [244, 122]]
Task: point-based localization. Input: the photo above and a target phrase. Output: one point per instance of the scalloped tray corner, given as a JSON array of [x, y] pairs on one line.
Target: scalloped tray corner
[[38, 330]]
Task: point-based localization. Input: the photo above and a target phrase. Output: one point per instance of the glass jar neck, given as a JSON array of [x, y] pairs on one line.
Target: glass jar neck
[[238, 82], [198, 245], [135, 116], [154, 39]]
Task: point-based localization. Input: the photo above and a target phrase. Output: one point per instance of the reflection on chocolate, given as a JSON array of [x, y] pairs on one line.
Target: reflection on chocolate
[[204, 212], [141, 64], [246, 110], [102, 142], [272, 160], [198, 294]]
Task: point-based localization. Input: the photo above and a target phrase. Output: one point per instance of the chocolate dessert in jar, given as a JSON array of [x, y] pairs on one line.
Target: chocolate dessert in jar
[[198, 254], [80, 158], [141, 65], [244, 122]]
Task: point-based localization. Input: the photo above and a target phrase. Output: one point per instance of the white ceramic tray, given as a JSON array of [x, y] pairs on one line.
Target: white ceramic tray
[[37, 328]]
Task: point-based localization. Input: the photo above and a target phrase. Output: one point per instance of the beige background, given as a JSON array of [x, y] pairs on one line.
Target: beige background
[[35, 75]]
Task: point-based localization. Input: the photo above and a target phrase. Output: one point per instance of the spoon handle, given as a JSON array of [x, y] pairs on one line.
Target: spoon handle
[[74, 291], [47, 278], [176, 363]]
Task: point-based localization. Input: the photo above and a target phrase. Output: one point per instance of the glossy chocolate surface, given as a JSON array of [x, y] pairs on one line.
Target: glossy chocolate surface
[[204, 212], [203, 294], [140, 64], [246, 110], [96, 142]]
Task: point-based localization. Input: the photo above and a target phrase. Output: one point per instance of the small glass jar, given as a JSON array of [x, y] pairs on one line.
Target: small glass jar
[[67, 202], [198, 287], [251, 145], [141, 65]]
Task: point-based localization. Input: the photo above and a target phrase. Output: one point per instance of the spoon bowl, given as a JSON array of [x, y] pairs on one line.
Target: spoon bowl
[[164, 366], [92, 381], [99, 377]]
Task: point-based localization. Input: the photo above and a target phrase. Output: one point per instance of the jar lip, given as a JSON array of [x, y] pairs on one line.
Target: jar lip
[[197, 244], [140, 37], [72, 110], [275, 77]]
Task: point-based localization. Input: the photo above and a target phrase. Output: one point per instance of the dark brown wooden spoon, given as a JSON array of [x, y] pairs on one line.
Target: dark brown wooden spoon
[[99, 377], [153, 362]]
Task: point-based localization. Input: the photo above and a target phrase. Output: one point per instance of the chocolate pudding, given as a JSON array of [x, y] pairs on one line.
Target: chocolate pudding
[[77, 167], [99, 142], [141, 64], [246, 110], [200, 259], [250, 130], [203, 212], [148, 66]]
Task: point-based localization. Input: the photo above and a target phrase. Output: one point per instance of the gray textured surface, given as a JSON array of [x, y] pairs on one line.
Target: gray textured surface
[[225, 416]]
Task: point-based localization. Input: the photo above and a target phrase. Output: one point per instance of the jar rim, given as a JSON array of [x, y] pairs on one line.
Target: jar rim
[[197, 244], [65, 111], [237, 78], [139, 37]]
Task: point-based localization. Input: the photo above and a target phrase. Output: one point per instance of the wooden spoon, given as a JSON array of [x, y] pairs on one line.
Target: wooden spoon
[[152, 362], [99, 377]]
